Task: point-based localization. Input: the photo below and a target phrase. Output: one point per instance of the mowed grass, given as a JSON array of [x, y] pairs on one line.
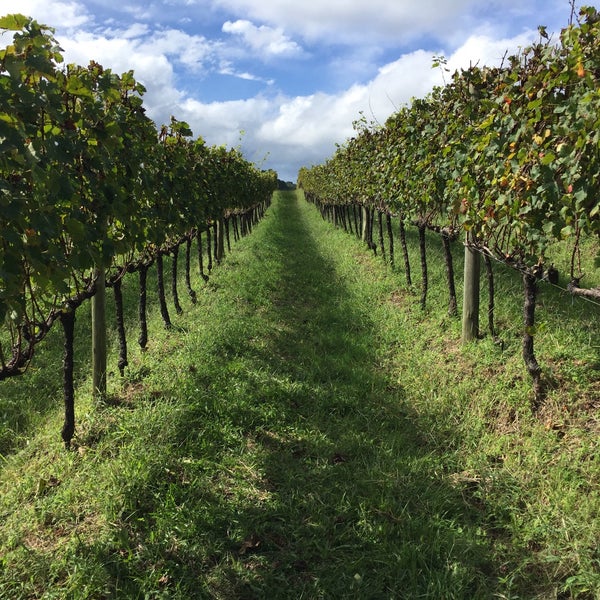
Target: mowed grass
[[307, 431]]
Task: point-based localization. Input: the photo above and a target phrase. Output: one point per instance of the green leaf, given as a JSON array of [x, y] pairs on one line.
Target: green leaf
[[76, 230], [488, 122], [548, 158], [76, 87], [14, 22], [548, 228], [567, 231], [580, 196]]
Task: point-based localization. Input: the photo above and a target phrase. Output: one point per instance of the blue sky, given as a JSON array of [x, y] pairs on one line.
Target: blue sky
[[285, 79]]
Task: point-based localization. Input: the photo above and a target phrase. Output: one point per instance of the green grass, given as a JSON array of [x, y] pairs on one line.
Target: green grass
[[307, 431]]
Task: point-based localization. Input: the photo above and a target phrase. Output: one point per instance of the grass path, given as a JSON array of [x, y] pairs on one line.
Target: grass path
[[350, 504], [266, 450]]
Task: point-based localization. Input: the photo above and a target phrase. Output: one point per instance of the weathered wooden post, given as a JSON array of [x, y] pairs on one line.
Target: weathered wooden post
[[470, 319], [98, 305]]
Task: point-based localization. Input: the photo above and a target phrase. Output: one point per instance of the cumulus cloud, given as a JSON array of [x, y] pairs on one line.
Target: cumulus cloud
[[224, 122], [68, 14], [153, 69], [319, 120], [192, 51], [264, 40], [348, 21], [227, 68], [293, 129], [299, 131], [303, 130], [485, 50], [397, 22], [135, 30], [310, 126]]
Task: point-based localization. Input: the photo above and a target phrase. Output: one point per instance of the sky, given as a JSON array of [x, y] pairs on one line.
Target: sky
[[284, 80]]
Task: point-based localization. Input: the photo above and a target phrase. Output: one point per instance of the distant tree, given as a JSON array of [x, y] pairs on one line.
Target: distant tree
[[285, 185]]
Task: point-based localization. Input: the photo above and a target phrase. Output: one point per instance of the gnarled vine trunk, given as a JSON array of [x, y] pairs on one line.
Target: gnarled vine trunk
[[491, 294], [533, 368], [388, 219], [118, 294], [209, 247], [370, 241], [402, 232], [452, 303], [162, 300], [188, 266], [381, 243], [174, 290], [201, 257], [424, 276], [227, 235], [67, 320], [219, 240], [216, 244], [143, 337]]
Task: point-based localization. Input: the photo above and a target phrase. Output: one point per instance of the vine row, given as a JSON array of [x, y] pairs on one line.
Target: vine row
[[90, 190], [506, 158]]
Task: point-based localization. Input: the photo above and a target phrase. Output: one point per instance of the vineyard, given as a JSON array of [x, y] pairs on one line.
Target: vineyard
[[90, 192], [506, 160], [311, 419], [307, 430]]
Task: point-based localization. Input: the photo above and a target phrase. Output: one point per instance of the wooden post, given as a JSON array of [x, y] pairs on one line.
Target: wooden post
[[365, 223], [98, 305], [220, 239], [470, 320]]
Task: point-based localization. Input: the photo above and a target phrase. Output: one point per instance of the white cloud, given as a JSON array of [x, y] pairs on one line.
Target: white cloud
[[153, 69], [67, 14], [264, 40], [223, 122], [294, 130], [394, 22], [135, 30], [303, 130], [192, 51], [352, 21], [227, 68], [485, 50], [309, 126], [114, 53]]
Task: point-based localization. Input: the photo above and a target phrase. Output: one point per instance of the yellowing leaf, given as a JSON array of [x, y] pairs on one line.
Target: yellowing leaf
[[14, 22]]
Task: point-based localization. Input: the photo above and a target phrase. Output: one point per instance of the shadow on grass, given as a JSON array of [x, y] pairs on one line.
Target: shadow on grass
[[299, 472]]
